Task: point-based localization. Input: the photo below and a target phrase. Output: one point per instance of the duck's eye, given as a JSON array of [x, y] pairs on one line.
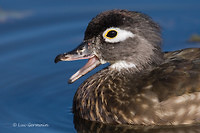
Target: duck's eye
[[114, 35], [111, 34]]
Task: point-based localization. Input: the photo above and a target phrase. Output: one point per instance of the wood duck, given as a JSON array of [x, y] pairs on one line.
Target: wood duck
[[142, 85]]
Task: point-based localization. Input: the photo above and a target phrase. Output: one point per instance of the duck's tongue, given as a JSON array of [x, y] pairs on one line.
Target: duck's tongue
[[81, 52], [90, 65]]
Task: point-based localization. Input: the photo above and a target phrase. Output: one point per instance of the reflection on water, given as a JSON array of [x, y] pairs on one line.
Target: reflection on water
[[34, 90], [84, 126], [6, 15]]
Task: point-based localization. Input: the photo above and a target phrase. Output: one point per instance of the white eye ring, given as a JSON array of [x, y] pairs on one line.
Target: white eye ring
[[121, 35]]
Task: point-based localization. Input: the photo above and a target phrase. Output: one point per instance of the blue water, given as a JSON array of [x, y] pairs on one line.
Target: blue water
[[34, 90]]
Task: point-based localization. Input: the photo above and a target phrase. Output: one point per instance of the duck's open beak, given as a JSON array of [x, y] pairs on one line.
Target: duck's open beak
[[81, 52]]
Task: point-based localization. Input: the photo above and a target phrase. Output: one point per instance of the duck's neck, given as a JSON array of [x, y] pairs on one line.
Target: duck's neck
[[144, 63]]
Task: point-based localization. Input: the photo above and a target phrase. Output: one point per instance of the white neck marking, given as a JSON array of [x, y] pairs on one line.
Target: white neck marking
[[122, 65]]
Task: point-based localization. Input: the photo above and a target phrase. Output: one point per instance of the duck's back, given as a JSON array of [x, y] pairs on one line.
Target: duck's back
[[178, 75], [177, 84]]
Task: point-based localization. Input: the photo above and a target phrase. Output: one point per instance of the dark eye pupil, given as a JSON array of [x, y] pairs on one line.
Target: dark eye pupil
[[111, 34]]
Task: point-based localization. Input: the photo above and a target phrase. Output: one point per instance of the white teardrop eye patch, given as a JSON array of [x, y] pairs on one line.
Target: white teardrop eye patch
[[114, 35]]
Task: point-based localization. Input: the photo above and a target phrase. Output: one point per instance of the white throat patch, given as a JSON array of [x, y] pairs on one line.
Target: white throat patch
[[122, 65]]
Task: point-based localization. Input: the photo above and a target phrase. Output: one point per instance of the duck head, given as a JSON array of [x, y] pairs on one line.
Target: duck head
[[127, 40]]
